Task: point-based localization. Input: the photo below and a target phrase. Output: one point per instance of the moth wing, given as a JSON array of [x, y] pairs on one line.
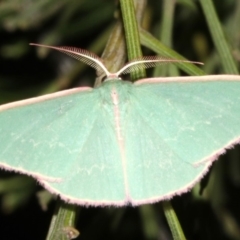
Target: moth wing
[[175, 128], [67, 142]]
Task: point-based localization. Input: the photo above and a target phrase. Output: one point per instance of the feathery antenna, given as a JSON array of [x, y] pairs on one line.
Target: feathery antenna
[[83, 55], [149, 62], [96, 62]]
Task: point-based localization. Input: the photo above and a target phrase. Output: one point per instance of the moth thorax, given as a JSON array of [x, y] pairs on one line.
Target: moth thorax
[[114, 95]]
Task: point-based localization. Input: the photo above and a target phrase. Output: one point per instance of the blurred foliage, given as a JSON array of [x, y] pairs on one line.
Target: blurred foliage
[[211, 210]]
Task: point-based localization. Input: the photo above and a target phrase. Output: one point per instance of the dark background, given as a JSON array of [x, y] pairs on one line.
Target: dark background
[[210, 211]]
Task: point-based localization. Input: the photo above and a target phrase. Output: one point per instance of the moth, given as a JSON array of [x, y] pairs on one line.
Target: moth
[[122, 142]]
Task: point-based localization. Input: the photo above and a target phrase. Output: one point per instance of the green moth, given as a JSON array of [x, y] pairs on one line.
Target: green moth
[[122, 142]]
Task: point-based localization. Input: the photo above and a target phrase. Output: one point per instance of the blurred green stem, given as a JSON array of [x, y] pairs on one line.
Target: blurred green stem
[[166, 37]]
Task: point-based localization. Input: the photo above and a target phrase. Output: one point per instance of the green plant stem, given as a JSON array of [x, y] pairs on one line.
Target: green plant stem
[[63, 221], [155, 45], [175, 227], [218, 36], [131, 34], [114, 54], [167, 22]]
